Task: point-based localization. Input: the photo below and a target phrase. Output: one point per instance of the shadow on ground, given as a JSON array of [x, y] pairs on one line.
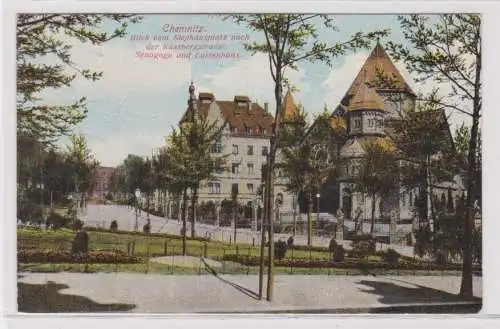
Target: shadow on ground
[[45, 298], [245, 291], [394, 294]]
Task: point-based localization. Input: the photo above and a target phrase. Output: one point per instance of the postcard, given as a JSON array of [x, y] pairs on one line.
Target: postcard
[[249, 163]]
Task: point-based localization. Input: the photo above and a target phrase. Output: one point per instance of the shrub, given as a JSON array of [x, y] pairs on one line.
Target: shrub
[[280, 249], [114, 225], [338, 254], [78, 225], [54, 256], [391, 258], [146, 228], [80, 243], [440, 258], [332, 245], [290, 242], [363, 247], [57, 221]]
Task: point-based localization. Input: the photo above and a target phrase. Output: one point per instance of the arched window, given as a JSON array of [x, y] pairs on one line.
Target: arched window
[[347, 203]]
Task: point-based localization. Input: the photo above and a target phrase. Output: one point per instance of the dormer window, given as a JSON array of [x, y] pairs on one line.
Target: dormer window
[[264, 131], [234, 130], [249, 131]]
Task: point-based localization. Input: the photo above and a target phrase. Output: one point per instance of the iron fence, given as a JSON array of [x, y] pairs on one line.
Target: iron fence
[[166, 255]]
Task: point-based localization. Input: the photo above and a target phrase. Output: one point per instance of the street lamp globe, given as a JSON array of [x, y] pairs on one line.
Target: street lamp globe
[[318, 195]]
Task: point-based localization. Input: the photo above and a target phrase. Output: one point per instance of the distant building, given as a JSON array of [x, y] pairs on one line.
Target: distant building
[[359, 118], [102, 179], [247, 128]]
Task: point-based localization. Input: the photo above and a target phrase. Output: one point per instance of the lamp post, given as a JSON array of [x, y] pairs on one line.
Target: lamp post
[[137, 196], [317, 208]]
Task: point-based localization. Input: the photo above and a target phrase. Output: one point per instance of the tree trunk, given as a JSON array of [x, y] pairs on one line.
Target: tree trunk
[[294, 230], [466, 286], [194, 200], [183, 217], [274, 143], [235, 206], [309, 220], [374, 203]]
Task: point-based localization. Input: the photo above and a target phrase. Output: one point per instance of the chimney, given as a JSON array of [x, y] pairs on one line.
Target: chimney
[[266, 107]]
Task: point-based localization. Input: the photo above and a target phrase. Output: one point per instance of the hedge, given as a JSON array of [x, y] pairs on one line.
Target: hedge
[[349, 264], [55, 256]]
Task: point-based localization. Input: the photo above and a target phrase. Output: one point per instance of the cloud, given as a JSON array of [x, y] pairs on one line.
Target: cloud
[[125, 76], [112, 150], [339, 80], [250, 77]]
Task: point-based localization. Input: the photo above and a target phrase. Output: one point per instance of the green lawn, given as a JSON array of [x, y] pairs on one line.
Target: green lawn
[[144, 246]]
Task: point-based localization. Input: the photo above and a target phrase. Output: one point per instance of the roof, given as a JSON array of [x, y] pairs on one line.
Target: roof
[[240, 113], [289, 111], [386, 144], [379, 70], [338, 123], [366, 98], [351, 149]]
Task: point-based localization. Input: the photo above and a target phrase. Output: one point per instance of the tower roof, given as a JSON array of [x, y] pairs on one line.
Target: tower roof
[[289, 111], [366, 98], [380, 71]]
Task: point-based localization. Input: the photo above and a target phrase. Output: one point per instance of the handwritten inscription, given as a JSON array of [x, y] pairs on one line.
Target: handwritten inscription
[[189, 42]]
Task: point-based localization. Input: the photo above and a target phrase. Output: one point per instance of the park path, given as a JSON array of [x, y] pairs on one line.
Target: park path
[[103, 215], [155, 293]]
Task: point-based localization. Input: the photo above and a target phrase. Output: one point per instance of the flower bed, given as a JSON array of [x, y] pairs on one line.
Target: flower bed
[[348, 264], [55, 256], [159, 235]]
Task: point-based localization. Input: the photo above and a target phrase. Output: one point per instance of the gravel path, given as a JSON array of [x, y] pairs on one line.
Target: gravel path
[[186, 261], [128, 292]]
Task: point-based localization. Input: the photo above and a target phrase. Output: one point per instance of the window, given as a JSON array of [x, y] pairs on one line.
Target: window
[[264, 131], [235, 130], [218, 166], [216, 147], [235, 168], [249, 149], [403, 199], [410, 201], [357, 123], [217, 188], [250, 168], [250, 188], [235, 149], [264, 150], [249, 131], [370, 123], [210, 188]]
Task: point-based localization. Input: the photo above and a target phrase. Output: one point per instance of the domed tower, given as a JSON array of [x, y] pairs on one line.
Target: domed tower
[[191, 112], [365, 119], [366, 113]]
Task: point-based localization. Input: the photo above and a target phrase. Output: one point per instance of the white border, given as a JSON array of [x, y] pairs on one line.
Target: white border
[[491, 118]]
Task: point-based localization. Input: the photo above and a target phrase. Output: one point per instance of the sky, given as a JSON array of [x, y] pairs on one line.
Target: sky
[[139, 99]]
